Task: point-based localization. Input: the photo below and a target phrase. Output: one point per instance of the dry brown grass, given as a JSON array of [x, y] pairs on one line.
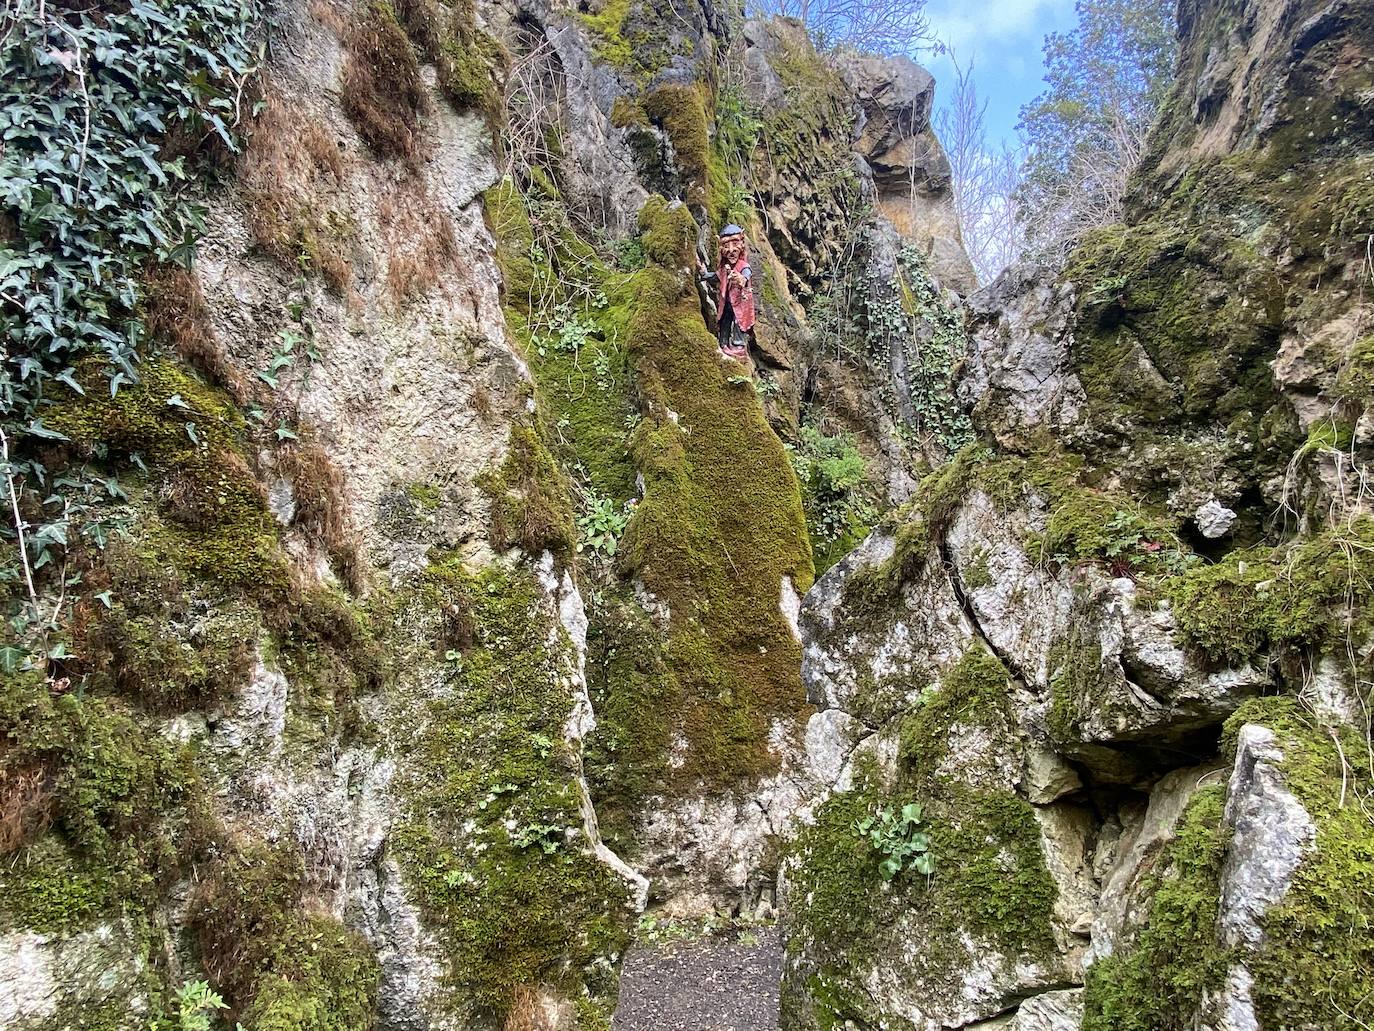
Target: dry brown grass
[[482, 403], [421, 21], [527, 1012], [291, 168], [321, 510], [383, 93], [26, 805], [420, 241], [174, 310]]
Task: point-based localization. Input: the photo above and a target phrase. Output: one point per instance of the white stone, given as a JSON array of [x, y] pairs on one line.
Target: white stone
[[1214, 519], [789, 604], [1271, 832]]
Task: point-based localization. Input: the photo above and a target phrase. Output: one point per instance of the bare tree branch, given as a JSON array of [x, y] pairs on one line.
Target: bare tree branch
[[881, 26], [985, 179]]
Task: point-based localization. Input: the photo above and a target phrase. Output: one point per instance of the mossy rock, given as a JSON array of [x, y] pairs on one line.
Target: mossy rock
[[1316, 969], [105, 810], [490, 839], [1157, 981], [641, 37], [1260, 601], [529, 497], [719, 528], [280, 966], [990, 891], [214, 523], [680, 111], [1309, 970]]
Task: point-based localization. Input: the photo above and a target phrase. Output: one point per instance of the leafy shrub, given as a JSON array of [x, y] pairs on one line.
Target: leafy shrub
[[196, 1005], [835, 492], [897, 837], [100, 110], [910, 314]]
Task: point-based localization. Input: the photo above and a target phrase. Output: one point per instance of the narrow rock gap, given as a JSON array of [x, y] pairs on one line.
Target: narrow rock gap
[[952, 571]]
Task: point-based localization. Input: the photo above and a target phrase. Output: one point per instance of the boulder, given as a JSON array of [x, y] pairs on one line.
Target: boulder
[[1018, 375]]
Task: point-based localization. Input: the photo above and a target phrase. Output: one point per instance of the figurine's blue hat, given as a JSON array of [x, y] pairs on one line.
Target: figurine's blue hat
[[731, 230]]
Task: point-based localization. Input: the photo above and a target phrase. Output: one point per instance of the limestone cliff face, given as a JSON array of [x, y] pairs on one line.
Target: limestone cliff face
[[1117, 649], [461, 604], [453, 620]]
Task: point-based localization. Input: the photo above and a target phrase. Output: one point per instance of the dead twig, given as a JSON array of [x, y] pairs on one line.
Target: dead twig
[[19, 525]]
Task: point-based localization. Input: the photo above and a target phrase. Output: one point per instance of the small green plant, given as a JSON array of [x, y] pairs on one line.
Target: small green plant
[[836, 493], [1107, 289], [660, 930], [196, 1005], [547, 836], [629, 254], [898, 838], [601, 368], [602, 524], [294, 340], [737, 124], [568, 332]]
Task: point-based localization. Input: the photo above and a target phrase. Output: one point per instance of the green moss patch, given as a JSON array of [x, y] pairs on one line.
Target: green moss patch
[[529, 495], [1156, 982], [215, 525], [491, 837], [570, 312], [1316, 968], [632, 687], [469, 63], [1260, 600], [106, 807], [721, 524], [730, 665], [680, 111], [280, 967], [973, 692], [638, 36], [990, 882]]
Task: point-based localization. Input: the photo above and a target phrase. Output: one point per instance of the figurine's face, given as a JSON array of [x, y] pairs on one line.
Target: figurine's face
[[732, 248]]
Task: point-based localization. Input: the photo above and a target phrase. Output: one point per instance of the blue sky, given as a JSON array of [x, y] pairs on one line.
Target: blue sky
[[1003, 39]]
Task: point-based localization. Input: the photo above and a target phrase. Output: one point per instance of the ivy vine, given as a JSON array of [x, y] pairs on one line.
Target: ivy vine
[[103, 105], [910, 313]]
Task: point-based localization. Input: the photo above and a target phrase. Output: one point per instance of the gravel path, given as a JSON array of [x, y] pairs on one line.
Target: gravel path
[[712, 984]]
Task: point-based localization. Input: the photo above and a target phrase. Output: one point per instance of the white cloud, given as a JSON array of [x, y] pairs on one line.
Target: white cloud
[[972, 30]]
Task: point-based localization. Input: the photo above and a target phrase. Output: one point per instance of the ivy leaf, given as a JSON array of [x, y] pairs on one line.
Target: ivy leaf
[[11, 658], [284, 433], [176, 401], [106, 599], [37, 429], [191, 432], [65, 376]]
